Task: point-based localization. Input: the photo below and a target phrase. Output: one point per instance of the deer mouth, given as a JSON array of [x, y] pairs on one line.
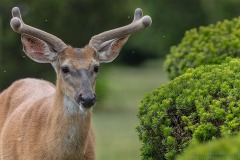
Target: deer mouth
[[72, 107]]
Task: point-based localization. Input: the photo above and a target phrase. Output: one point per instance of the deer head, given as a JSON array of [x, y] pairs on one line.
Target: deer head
[[76, 69]]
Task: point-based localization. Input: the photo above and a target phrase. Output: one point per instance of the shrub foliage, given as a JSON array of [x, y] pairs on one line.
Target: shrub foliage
[[203, 103], [216, 150], [206, 45]]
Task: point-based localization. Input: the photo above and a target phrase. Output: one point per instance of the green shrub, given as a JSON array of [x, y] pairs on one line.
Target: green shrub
[[203, 103], [206, 45], [227, 148]]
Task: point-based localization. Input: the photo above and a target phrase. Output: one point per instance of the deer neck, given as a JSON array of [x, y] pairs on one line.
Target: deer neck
[[70, 124]]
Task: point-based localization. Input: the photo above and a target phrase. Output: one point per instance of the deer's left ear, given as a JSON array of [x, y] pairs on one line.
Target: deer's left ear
[[37, 49], [109, 50]]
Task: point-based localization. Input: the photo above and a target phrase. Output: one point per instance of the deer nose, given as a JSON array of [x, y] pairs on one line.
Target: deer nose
[[87, 100]]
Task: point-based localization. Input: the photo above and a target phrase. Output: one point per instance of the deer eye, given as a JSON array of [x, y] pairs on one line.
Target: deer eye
[[65, 69], [96, 69]]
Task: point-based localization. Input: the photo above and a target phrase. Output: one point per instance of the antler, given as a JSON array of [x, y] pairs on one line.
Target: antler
[[139, 23], [19, 26]]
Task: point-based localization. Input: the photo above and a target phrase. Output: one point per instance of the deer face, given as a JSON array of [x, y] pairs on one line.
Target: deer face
[[77, 70]]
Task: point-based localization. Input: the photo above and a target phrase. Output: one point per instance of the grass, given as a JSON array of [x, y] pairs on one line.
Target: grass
[[115, 117]]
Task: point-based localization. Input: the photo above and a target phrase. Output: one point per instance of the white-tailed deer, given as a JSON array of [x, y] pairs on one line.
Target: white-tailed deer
[[40, 121]]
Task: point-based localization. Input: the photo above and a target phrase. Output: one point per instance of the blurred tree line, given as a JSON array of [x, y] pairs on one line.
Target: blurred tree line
[[76, 21]]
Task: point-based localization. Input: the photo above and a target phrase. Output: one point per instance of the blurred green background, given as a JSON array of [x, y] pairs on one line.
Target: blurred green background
[[138, 69]]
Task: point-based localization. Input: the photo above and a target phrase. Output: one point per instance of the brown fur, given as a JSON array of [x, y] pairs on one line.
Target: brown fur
[[81, 60], [33, 124]]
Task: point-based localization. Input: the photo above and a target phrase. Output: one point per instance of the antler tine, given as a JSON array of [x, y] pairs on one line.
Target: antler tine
[[139, 23], [20, 27], [138, 14], [16, 13]]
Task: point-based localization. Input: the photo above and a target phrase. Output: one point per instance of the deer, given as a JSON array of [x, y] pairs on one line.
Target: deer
[[42, 121]]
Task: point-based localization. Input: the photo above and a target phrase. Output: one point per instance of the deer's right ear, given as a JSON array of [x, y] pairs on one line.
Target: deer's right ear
[[37, 49], [109, 50]]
